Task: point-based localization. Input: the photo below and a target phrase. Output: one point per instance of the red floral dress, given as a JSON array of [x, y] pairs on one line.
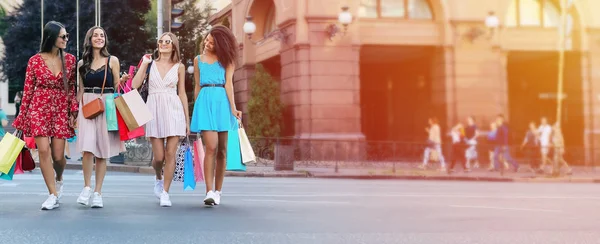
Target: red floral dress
[[45, 105]]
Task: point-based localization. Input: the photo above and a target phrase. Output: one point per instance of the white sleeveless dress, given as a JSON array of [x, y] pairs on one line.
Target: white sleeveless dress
[[164, 104]]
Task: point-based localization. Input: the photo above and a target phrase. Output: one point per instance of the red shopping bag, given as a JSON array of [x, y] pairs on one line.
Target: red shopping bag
[[124, 132], [199, 160], [24, 162], [18, 163], [29, 143], [27, 163]]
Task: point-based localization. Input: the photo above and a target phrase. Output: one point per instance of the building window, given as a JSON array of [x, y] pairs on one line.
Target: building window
[[406, 9], [534, 13], [270, 25]]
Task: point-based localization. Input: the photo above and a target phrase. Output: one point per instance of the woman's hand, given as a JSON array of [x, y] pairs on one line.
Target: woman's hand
[[237, 114], [124, 78], [187, 130], [73, 120], [147, 59]]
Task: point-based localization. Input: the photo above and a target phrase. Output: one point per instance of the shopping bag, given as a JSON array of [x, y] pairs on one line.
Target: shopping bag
[[111, 113], [129, 82], [27, 163], [18, 164], [29, 142], [10, 147], [199, 160], [245, 147], [180, 162], [124, 133], [189, 181], [133, 109], [234, 154], [9, 175]]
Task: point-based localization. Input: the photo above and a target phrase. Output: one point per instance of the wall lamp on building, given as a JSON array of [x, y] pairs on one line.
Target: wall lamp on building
[[279, 34], [491, 22], [345, 18], [190, 68]]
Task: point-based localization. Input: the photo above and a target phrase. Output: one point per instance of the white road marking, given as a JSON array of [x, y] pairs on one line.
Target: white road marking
[[294, 201], [9, 184], [512, 209]]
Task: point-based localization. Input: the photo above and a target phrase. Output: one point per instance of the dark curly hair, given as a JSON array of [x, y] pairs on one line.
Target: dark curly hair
[[225, 46]]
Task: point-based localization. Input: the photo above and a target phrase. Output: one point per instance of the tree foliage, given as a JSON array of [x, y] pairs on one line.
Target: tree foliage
[[151, 18], [195, 25], [126, 39], [225, 22], [265, 108], [3, 23]]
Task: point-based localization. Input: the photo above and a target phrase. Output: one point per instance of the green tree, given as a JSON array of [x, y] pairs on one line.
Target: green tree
[[3, 23], [265, 108], [150, 18], [225, 22], [195, 24], [22, 38]]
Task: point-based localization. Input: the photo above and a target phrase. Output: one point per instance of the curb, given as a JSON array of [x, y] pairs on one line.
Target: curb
[[304, 174], [150, 171], [413, 177]]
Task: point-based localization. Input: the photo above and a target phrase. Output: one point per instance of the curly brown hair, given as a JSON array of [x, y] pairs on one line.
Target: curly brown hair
[[225, 46]]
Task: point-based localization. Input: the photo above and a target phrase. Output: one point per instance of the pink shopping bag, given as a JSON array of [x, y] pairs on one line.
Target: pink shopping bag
[[199, 160]]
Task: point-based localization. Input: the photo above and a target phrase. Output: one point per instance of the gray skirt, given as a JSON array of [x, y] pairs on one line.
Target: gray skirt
[[93, 135]]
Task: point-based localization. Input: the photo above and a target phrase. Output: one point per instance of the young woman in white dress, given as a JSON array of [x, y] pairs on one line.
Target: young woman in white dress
[[167, 102]]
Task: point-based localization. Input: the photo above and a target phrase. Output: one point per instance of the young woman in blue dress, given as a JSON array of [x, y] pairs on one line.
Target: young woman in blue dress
[[214, 110]]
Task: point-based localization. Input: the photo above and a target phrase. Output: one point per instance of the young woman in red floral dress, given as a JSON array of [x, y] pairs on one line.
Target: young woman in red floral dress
[[49, 106]]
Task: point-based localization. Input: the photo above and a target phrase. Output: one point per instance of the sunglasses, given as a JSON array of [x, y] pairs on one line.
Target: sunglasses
[[165, 41], [65, 36]]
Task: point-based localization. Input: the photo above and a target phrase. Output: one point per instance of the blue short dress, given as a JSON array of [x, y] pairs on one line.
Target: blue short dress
[[211, 109]]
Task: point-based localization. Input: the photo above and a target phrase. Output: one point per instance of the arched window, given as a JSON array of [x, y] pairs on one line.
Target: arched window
[[270, 23], [534, 13], [406, 9]]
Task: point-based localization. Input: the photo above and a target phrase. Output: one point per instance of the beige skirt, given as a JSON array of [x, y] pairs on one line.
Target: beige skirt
[[93, 135]]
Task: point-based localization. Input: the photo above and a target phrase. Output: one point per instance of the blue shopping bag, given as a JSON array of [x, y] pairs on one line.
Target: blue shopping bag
[[234, 151], [111, 113], [189, 181], [10, 174]]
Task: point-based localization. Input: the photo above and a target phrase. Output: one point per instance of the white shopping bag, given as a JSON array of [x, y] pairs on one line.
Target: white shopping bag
[[246, 147], [133, 109]]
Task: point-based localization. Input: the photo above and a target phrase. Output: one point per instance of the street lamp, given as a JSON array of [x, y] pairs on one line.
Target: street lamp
[[250, 28], [345, 18], [190, 68], [492, 23]]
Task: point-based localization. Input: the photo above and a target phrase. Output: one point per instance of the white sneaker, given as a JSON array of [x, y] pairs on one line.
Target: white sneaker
[[210, 198], [217, 197], [59, 189], [165, 200], [158, 188], [97, 201], [84, 196], [50, 203]]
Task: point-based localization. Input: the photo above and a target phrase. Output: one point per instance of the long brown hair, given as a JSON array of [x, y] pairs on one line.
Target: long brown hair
[[88, 51], [175, 56], [226, 47]]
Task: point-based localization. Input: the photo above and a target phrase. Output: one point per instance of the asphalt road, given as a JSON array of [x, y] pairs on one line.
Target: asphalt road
[[277, 211]]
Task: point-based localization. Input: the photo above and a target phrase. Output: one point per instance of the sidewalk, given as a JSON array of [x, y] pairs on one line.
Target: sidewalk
[[402, 172]]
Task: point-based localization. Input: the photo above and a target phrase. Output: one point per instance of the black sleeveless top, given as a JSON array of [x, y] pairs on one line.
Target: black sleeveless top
[[95, 78]]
